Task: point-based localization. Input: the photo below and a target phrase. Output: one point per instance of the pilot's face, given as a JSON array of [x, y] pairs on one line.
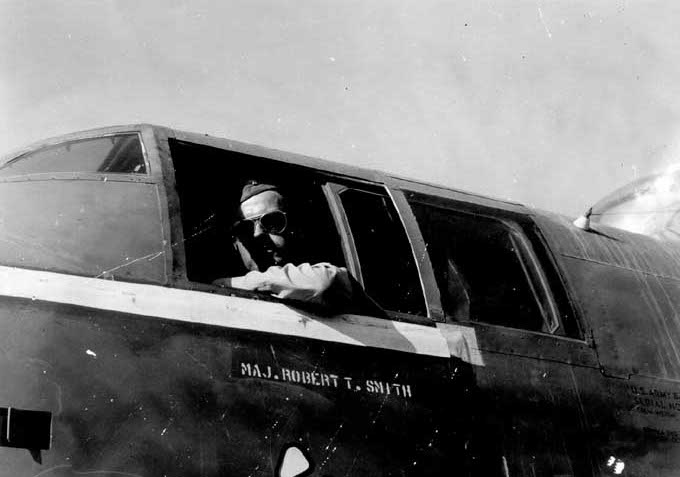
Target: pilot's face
[[263, 238]]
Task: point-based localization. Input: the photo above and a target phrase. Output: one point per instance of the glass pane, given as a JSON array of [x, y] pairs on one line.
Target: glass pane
[[121, 154], [648, 206], [387, 264], [90, 228], [478, 260]]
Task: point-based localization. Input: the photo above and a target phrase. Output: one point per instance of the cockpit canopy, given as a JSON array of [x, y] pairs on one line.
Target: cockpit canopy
[[648, 206]]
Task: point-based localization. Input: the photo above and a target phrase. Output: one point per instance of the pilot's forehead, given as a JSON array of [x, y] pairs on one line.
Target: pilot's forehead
[[261, 203]]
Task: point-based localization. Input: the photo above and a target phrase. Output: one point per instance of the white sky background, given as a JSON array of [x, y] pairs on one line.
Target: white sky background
[[553, 104]]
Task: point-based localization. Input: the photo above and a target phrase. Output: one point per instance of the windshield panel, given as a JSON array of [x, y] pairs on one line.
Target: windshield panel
[[121, 153], [650, 206]]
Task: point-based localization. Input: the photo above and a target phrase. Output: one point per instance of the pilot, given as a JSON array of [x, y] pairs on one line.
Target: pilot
[[270, 248]]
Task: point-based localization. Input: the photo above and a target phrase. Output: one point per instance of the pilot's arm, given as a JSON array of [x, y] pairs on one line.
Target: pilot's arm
[[302, 282], [321, 283]]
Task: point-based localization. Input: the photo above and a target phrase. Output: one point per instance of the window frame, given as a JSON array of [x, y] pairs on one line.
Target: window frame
[[512, 216], [145, 177], [153, 176], [535, 275], [333, 190], [180, 276], [335, 180], [529, 265]]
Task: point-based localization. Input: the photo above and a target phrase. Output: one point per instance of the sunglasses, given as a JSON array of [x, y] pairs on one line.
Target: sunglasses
[[272, 223]]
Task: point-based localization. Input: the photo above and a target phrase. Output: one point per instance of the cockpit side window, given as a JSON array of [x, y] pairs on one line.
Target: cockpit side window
[[121, 153], [387, 264], [485, 269], [209, 204]]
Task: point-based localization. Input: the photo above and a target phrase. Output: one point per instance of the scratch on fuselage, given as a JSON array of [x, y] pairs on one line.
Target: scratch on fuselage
[[578, 396], [329, 452], [88, 472], [60, 405], [154, 255], [148, 257], [200, 363]]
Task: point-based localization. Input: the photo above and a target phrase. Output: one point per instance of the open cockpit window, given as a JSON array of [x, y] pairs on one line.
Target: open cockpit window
[[485, 269], [120, 153], [210, 184], [236, 238]]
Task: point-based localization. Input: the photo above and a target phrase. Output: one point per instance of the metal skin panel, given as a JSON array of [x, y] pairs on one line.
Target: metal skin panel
[[633, 317], [534, 344], [627, 287], [91, 228], [537, 409], [647, 425], [553, 412], [557, 419], [141, 396], [610, 246]]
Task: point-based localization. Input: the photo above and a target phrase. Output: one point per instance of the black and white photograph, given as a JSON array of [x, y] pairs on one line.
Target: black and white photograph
[[315, 238]]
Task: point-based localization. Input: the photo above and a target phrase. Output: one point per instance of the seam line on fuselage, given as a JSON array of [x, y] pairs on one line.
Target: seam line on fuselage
[[608, 264]]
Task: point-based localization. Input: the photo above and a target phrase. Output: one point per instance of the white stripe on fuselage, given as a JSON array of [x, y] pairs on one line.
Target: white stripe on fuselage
[[227, 311]]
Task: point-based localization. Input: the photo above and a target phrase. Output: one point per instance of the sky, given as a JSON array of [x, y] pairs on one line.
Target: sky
[[551, 104]]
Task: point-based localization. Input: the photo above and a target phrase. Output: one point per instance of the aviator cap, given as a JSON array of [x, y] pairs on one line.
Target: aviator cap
[[253, 188]]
